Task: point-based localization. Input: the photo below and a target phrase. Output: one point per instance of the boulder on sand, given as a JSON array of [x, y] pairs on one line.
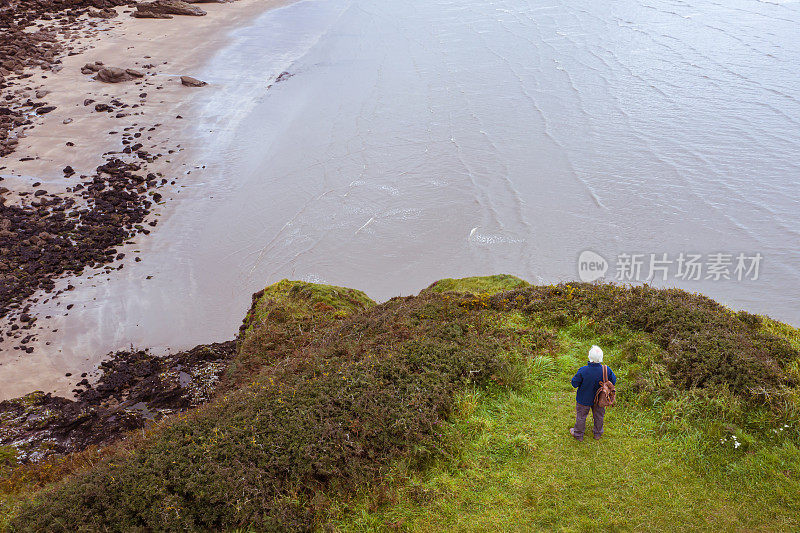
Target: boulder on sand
[[192, 82], [88, 68], [164, 8], [102, 13], [116, 74]]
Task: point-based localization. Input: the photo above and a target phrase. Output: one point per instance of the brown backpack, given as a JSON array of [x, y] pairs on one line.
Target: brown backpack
[[606, 394]]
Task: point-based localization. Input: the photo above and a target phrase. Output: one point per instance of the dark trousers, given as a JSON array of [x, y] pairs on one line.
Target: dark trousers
[[581, 412]]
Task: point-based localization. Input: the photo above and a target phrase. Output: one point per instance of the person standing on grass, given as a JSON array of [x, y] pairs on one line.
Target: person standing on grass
[[587, 381]]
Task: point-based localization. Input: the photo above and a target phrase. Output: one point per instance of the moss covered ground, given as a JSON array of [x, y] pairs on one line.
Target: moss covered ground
[[449, 410], [479, 284]]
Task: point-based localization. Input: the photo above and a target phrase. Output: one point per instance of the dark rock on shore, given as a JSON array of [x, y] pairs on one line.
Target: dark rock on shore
[[102, 13], [283, 76], [189, 81], [24, 45], [166, 7], [134, 389], [50, 237], [116, 74]]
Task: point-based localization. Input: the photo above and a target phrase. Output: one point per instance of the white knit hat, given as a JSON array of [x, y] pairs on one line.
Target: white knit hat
[[595, 354]]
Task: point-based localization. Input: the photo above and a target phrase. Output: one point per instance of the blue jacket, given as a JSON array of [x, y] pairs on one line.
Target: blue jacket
[[587, 381]]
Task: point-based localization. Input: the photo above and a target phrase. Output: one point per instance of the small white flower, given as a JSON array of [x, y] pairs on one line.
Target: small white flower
[[736, 444]]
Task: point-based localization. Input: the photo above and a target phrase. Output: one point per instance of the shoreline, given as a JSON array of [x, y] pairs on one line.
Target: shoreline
[[126, 42], [150, 114]]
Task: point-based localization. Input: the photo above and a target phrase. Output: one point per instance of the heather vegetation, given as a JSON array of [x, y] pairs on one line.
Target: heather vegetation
[[449, 410]]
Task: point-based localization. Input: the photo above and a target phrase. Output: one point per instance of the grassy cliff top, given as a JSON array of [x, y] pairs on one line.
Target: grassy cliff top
[[449, 410], [479, 284]]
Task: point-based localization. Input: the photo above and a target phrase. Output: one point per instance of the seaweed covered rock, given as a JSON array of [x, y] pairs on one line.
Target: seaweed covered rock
[[135, 387], [38, 425]]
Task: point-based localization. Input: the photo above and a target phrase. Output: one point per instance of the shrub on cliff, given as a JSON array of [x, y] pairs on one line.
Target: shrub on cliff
[[360, 393], [704, 343], [283, 317]]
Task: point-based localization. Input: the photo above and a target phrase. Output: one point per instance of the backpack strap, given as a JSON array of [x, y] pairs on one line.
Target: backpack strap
[[605, 373]]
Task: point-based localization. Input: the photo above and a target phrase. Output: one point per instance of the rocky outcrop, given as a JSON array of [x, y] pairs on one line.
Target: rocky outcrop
[[135, 388], [48, 234], [165, 8], [102, 13], [88, 68]]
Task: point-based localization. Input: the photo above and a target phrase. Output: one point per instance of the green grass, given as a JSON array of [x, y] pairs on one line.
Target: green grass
[[790, 333], [287, 299], [479, 284], [512, 466]]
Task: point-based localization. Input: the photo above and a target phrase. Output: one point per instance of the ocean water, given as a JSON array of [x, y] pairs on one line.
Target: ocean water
[[443, 138]]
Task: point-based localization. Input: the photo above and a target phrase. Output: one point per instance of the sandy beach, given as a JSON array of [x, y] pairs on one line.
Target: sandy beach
[[174, 47], [148, 113]]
